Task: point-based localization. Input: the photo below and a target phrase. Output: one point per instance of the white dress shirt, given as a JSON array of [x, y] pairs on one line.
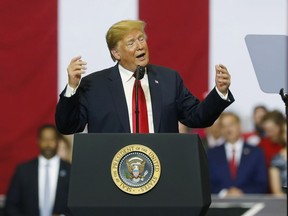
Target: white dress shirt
[[54, 164], [128, 81], [237, 147]]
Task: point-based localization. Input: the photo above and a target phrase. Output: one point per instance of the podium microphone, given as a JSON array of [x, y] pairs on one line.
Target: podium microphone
[[139, 74]]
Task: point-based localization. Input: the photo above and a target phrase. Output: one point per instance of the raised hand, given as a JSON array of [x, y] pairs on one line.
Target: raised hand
[[75, 69], [223, 78]]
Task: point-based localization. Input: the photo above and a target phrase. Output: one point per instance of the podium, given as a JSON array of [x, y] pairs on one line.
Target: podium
[[179, 185]]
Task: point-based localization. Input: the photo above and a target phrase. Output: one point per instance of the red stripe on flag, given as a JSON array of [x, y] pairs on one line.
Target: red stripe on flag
[[178, 37], [28, 41]]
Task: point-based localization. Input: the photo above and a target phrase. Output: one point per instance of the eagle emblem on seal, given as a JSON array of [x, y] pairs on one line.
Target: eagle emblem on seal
[[136, 167]]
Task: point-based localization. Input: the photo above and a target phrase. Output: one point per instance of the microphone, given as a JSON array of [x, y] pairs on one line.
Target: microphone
[[139, 74]]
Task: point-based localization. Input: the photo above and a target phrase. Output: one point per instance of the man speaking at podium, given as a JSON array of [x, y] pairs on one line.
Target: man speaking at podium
[[105, 100]]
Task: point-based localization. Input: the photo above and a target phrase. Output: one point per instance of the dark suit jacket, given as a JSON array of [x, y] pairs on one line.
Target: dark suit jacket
[[22, 197], [251, 173], [100, 102]]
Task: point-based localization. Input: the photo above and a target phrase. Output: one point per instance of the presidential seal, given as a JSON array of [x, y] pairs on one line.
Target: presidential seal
[[135, 169]]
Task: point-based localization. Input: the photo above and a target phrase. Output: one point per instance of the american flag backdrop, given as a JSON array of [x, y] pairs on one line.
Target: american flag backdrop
[[38, 39]]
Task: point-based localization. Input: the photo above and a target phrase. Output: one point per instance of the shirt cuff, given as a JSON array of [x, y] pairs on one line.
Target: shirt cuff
[[224, 97], [70, 91]]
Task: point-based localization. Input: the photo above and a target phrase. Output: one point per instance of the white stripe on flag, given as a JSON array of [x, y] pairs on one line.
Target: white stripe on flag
[[82, 26]]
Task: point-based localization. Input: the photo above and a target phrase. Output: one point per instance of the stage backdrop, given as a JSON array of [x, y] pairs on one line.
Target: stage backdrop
[[38, 39]]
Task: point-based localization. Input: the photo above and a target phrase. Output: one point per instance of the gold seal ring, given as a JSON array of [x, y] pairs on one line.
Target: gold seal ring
[[135, 169]]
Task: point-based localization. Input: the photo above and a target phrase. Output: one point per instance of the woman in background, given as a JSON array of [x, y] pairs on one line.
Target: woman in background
[[278, 169], [274, 141]]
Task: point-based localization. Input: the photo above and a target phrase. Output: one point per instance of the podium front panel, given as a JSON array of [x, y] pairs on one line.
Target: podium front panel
[[183, 187]]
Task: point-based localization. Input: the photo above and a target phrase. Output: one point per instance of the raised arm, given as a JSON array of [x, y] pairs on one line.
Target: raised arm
[[70, 116]]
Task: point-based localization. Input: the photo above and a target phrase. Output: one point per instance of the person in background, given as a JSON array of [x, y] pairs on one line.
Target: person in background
[[183, 129], [273, 142], [40, 186], [65, 148], [278, 169], [236, 168], [255, 136], [213, 136]]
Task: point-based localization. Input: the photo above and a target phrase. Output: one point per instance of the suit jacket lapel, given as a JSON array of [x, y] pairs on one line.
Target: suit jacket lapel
[[35, 185], [222, 158], [155, 92], [58, 187], [244, 162], [62, 174], [118, 95]]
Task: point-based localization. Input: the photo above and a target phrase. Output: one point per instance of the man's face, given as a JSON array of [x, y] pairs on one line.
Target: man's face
[[48, 143], [132, 50], [231, 128]]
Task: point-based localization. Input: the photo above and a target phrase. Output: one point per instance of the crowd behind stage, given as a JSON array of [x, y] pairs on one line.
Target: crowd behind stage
[[252, 162], [239, 163]]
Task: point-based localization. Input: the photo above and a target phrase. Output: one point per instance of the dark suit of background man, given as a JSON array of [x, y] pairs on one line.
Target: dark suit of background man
[[103, 100], [40, 186]]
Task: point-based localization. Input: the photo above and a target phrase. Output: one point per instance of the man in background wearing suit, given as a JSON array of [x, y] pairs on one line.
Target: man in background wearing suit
[[40, 186], [235, 167], [105, 100]]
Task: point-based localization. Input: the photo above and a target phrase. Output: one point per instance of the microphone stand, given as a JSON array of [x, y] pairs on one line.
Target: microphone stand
[[285, 100], [139, 74]]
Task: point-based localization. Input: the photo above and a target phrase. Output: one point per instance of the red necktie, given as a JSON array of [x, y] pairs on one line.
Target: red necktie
[[232, 165], [143, 116]]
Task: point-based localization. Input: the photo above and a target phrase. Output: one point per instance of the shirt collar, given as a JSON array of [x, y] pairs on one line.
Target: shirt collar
[[237, 146], [52, 161], [127, 75]]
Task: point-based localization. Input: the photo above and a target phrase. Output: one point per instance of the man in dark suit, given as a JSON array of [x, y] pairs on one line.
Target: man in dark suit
[[236, 167], [105, 100], [40, 186]]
